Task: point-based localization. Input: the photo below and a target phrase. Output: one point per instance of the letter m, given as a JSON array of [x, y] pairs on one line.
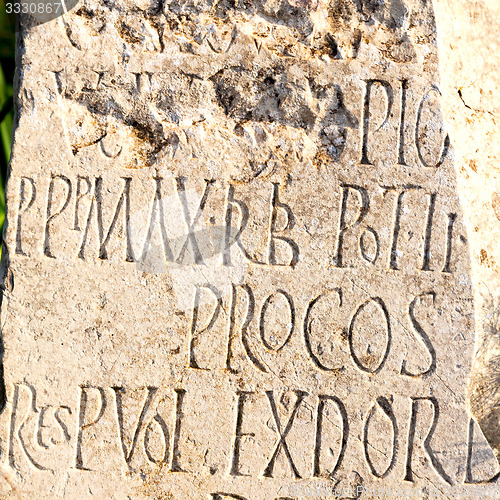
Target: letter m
[[105, 236]]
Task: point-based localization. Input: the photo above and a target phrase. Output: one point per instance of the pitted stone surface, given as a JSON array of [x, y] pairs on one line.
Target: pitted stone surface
[[235, 260], [470, 86]]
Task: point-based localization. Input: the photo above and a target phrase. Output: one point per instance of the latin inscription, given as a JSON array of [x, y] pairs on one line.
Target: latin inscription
[[83, 210], [159, 437], [236, 262]]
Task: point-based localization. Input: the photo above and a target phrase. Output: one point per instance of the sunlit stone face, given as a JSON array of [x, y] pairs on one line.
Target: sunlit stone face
[[235, 263]]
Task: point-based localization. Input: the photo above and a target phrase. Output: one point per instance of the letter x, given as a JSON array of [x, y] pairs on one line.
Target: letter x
[[181, 190], [268, 472]]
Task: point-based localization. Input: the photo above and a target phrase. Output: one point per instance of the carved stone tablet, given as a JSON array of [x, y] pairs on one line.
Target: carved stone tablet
[[235, 264]]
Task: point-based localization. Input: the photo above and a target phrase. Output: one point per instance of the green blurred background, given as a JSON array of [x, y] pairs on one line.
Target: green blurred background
[[7, 66]]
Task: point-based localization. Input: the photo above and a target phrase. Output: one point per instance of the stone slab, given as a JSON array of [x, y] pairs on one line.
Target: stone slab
[[235, 261]]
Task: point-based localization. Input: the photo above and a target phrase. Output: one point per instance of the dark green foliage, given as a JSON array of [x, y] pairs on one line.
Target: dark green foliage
[[7, 64]]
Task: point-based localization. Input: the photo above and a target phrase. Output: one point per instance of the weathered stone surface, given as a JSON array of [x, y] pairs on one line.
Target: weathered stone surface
[[470, 60], [235, 261]]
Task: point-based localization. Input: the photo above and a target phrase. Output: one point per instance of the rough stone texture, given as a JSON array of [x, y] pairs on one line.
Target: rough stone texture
[[235, 263], [470, 61]]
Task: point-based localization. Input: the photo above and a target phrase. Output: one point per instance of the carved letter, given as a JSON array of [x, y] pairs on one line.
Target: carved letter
[[291, 324], [194, 323], [104, 240], [428, 233], [23, 207], [379, 302], [79, 195], [468, 468], [226, 496], [322, 400], [274, 230], [235, 468], [369, 231], [151, 391], [181, 191], [366, 115], [82, 424], [427, 441], [446, 142], [424, 338], [343, 226], [143, 81], [64, 428], [401, 145], [40, 427], [164, 430], [386, 407], [13, 435], [449, 242], [51, 216], [176, 455], [268, 471], [397, 220], [157, 207], [244, 328], [308, 322], [233, 235]]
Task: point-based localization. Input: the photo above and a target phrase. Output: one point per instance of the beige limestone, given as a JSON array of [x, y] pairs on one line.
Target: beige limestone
[[235, 261], [470, 61]]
